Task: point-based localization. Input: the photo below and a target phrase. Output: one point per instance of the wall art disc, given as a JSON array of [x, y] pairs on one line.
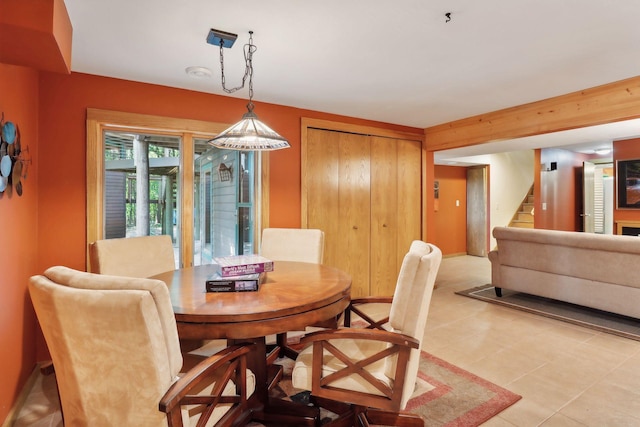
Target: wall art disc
[[9, 132], [5, 166], [3, 183], [16, 175]]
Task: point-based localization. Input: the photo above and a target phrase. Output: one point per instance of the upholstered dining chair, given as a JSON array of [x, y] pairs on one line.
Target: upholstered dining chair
[[143, 256], [117, 359], [368, 375], [292, 244]]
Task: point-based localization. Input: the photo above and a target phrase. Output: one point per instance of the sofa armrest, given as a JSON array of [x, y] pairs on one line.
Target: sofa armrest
[[494, 257]]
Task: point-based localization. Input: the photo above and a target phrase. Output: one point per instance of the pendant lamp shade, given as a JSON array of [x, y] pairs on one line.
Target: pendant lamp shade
[[249, 134]]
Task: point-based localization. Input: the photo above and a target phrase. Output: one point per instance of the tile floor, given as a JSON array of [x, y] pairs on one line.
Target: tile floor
[[567, 375]]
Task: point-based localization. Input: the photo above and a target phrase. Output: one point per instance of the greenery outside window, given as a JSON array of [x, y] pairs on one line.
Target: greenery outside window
[[168, 198]]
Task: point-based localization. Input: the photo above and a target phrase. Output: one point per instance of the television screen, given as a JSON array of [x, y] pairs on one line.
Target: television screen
[[628, 176]]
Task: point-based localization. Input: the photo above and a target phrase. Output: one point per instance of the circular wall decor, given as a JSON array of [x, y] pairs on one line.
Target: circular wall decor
[[13, 161]]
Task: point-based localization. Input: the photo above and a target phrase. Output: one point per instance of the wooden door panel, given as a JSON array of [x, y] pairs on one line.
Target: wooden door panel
[[365, 193], [384, 219], [409, 212], [352, 247], [321, 179], [477, 215]]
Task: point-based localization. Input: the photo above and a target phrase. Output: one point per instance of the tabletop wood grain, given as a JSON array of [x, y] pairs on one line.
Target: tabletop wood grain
[[292, 296]]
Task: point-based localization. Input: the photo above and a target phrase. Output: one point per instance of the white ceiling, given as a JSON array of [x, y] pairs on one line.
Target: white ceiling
[[398, 62]]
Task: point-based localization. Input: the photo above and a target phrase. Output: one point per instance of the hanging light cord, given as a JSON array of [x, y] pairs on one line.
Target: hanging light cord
[[249, 49]]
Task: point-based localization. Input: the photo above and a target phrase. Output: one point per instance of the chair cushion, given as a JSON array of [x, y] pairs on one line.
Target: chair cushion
[[191, 414], [356, 350]]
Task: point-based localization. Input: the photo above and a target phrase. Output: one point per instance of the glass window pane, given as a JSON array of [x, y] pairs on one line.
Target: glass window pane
[[224, 212], [142, 174]]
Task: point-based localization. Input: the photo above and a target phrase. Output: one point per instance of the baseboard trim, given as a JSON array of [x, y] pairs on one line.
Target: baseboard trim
[[454, 255]]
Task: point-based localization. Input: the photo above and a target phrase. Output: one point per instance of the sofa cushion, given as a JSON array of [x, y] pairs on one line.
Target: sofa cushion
[[598, 257]]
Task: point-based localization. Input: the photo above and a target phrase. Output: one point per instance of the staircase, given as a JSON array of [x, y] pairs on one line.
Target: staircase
[[524, 217]]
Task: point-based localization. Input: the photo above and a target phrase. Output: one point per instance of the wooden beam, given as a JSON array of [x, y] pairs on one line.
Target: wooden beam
[[599, 105]]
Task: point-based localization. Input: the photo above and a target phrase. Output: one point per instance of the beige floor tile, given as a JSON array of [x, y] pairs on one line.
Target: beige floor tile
[[626, 376], [616, 344], [544, 345], [506, 366], [559, 420], [549, 393], [605, 405], [498, 422], [526, 413]]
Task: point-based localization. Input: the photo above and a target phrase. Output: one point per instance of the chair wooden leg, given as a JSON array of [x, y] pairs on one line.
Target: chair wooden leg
[[362, 420], [336, 407], [344, 420]]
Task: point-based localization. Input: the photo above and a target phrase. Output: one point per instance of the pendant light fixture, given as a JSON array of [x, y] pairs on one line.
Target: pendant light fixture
[[249, 134]]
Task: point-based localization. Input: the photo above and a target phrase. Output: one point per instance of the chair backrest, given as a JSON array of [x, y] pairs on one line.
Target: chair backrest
[[293, 244], [411, 300], [113, 342], [143, 256]]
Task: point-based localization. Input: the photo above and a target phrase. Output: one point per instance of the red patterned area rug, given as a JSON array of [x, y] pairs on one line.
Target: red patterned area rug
[[454, 397], [446, 395]]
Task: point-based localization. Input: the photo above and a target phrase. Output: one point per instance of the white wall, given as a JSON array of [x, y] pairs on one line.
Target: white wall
[[510, 178]]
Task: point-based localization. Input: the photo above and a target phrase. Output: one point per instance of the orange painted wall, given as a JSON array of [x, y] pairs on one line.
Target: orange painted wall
[[450, 221], [19, 238], [64, 100], [628, 149], [46, 226]]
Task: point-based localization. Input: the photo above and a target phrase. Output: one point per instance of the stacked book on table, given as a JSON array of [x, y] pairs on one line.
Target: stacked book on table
[[238, 273]]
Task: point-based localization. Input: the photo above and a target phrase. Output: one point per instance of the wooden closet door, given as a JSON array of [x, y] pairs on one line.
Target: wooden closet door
[[352, 249], [409, 199], [384, 220], [365, 193], [322, 183], [395, 208], [338, 201]]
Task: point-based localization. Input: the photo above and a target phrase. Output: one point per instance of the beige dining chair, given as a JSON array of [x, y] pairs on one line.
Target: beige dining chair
[[292, 244], [117, 359], [142, 256], [367, 375]]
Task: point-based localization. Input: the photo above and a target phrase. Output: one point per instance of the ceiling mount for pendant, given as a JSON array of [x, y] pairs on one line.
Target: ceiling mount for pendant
[[221, 38], [249, 134]]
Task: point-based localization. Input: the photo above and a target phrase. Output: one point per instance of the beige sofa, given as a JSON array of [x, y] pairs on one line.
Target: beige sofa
[[593, 270]]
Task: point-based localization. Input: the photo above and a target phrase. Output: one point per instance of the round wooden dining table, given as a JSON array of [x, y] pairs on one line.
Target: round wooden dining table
[[293, 296]]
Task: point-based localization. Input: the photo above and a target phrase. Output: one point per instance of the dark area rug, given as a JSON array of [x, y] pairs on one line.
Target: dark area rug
[[603, 321]]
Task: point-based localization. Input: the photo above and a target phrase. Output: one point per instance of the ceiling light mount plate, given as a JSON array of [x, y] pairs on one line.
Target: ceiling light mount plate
[[198, 72], [217, 37]]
